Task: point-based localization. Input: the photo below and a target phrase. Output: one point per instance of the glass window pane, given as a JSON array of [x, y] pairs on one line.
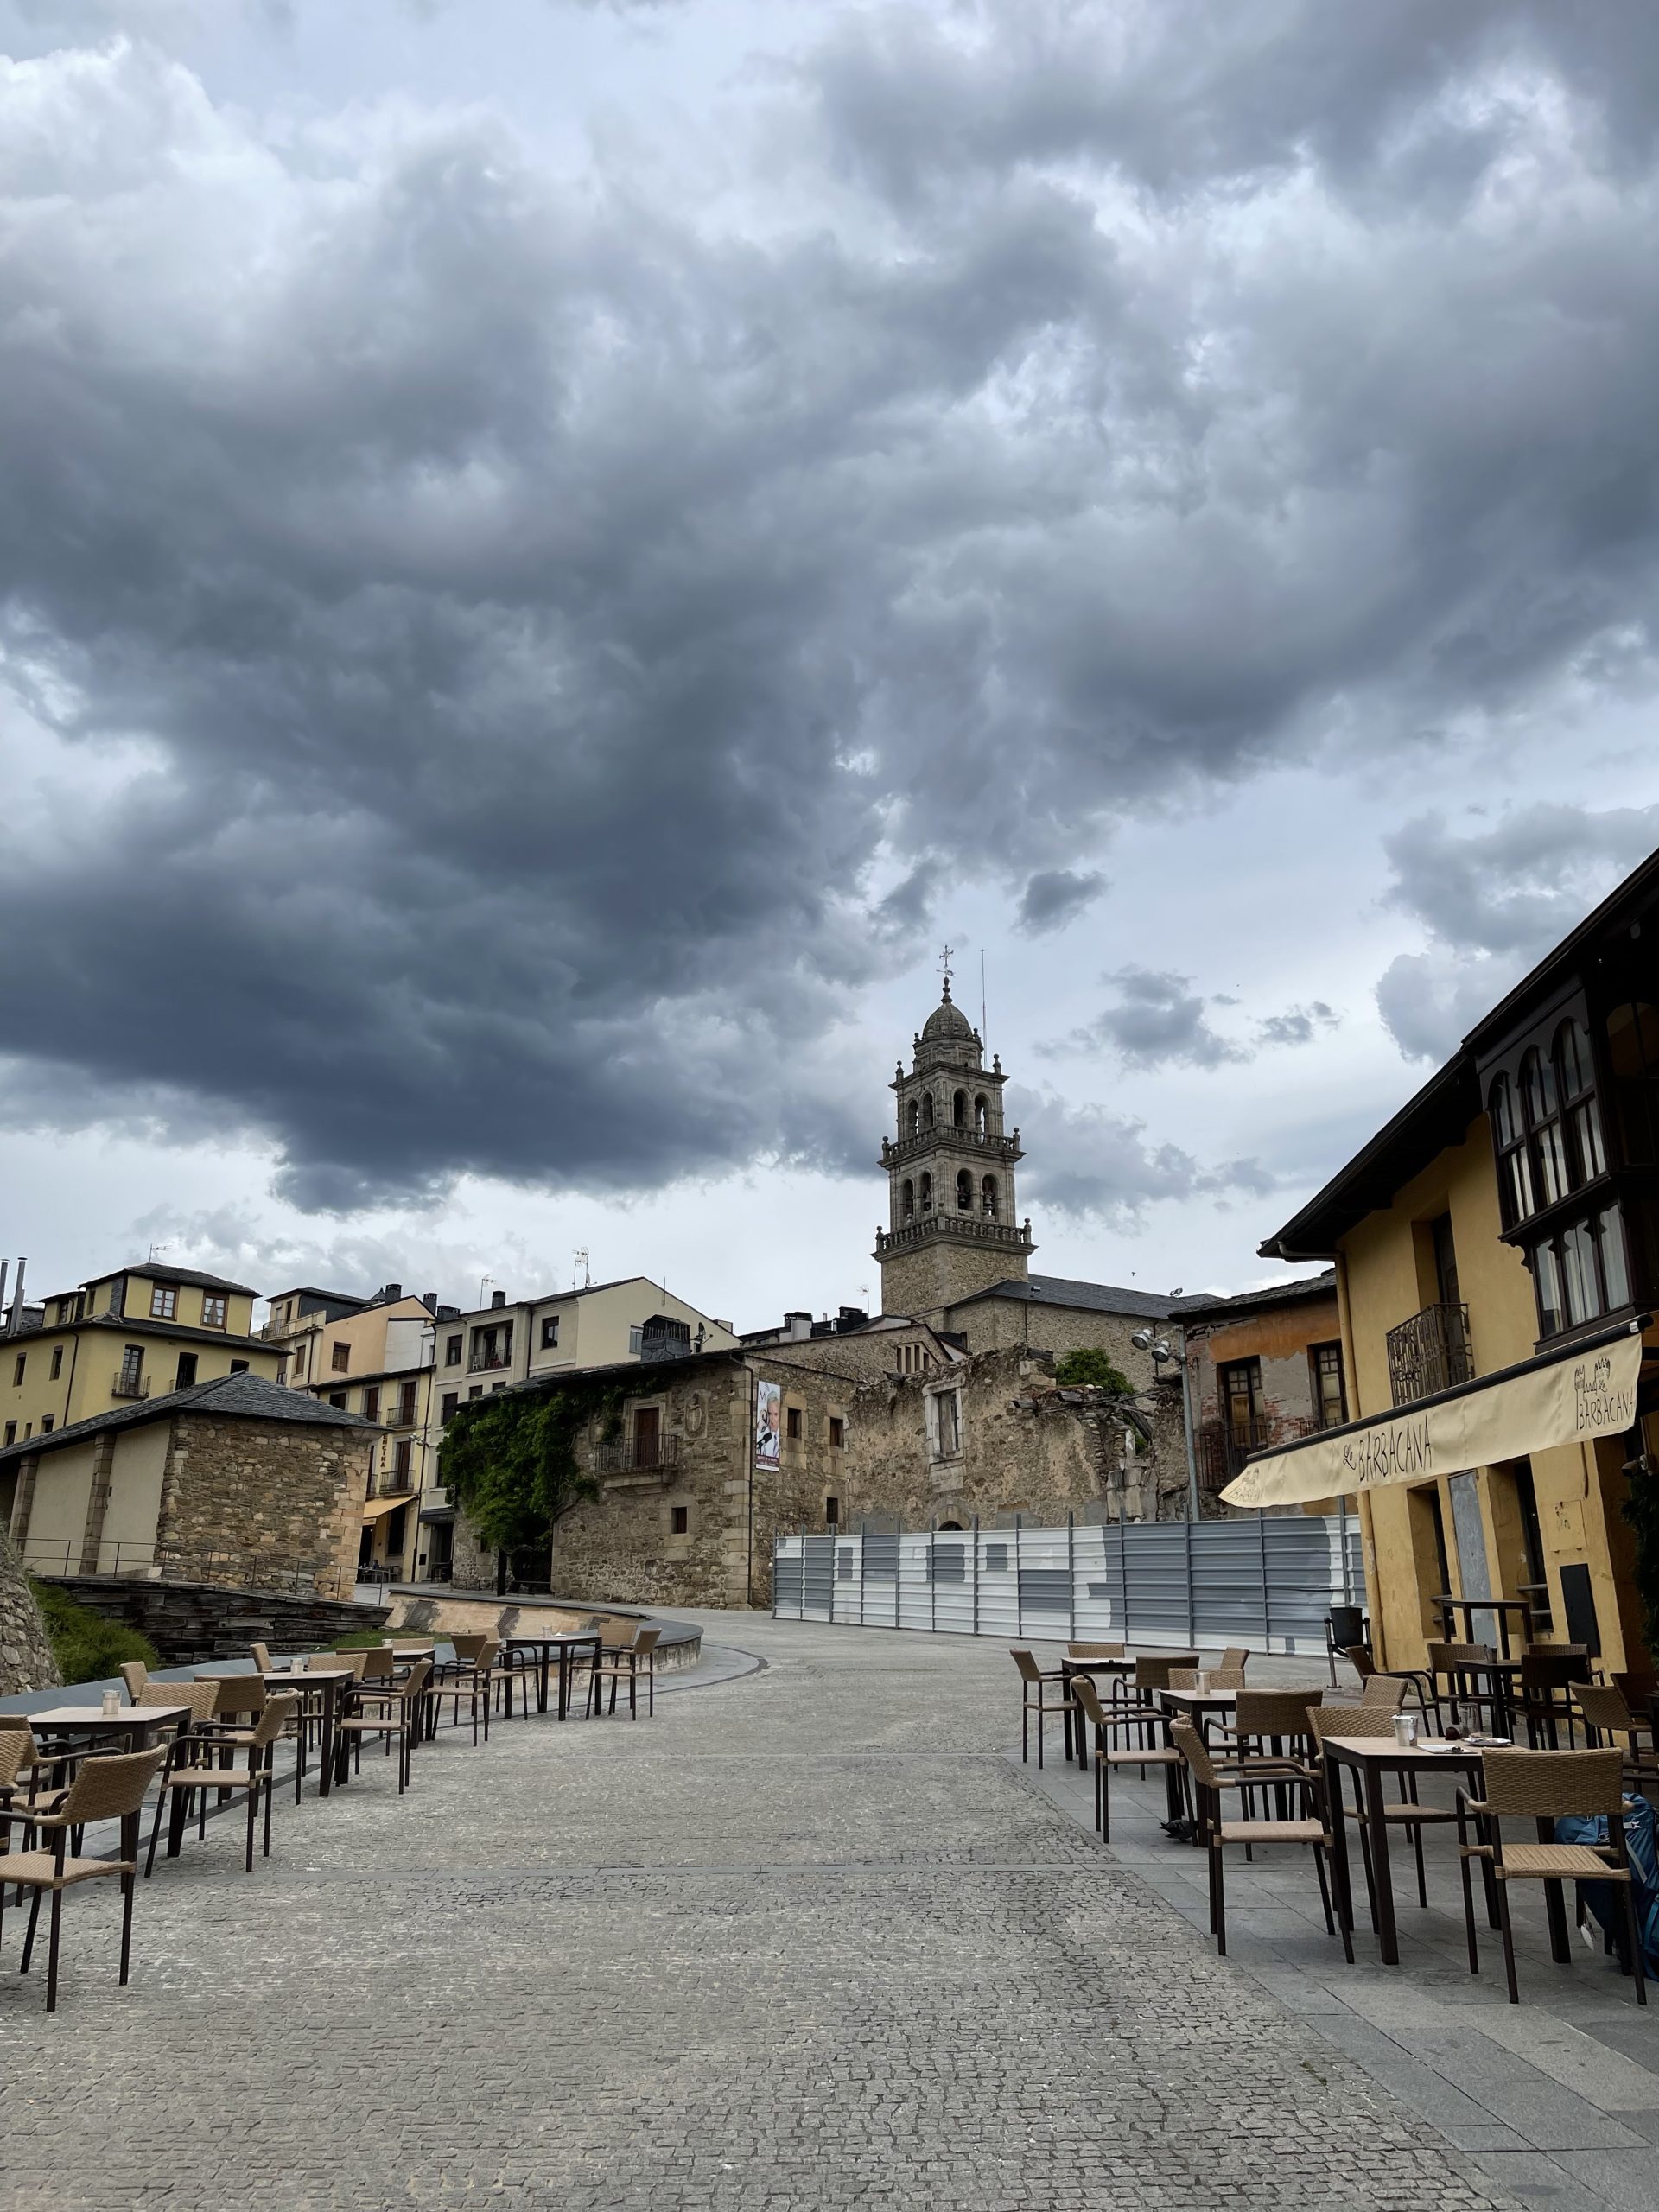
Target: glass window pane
[[1547, 1280], [1552, 1163], [1520, 1167], [1538, 1083], [1579, 1274], [1587, 1129], [1611, 1233], [1502, 1108]]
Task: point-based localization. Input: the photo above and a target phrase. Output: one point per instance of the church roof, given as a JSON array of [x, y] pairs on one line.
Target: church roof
[[947, 1020], [1091, 1297]]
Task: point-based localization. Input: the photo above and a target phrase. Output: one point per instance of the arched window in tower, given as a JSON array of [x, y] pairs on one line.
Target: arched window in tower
[[927, 1110], [907, 1200], [959, 1111], [913, 1118], [981, 1116], [964, 1191], [988, 1196], [927, 1192]]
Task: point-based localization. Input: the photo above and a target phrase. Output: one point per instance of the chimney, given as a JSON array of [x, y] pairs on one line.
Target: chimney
[[5, 1269], [429, 1300], [17, 1299], [798, 1325], [391, 1291], [496, 1298]]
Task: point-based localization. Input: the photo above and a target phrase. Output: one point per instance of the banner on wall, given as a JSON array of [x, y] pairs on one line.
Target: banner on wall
[[1586, 1391], [768, 1422]]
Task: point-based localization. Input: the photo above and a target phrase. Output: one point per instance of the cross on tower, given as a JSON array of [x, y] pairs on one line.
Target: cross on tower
[[945, 958]]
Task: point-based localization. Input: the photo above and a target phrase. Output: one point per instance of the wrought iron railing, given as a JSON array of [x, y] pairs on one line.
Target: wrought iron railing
[[127, 1384], [479, 1361], [1429, 1352], [630, 1455], [1221, 1447]]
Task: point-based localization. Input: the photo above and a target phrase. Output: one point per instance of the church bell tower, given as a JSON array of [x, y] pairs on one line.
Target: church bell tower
[[951, 1225]]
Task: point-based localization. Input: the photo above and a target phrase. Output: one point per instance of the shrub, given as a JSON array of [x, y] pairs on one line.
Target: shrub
[[1091, 1364], [86, 1646]]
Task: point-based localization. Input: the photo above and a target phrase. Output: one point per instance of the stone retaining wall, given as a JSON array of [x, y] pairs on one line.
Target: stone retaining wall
[[424, 1611], [26, 1661], [192, 1622]]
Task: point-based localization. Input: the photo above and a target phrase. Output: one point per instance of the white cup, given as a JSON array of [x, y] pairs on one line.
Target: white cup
[[111, 1704], [1405, 1729]]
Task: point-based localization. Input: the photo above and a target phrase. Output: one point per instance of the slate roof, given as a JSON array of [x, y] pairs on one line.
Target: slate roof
[[158, 1271], [1091, 1297], [1274, 1294], [245, 1397]]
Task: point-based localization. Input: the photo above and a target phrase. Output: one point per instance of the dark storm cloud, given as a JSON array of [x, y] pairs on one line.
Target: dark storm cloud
[[1055, 896], [490, 635], [1493, 902], [1297, 1024], [1157, 1020]]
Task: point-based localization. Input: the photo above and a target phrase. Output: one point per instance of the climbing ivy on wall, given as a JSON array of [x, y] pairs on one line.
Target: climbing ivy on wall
[[510, 1462]]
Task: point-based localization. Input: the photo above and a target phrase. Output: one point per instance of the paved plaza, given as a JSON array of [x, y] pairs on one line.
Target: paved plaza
[[808, 1938]]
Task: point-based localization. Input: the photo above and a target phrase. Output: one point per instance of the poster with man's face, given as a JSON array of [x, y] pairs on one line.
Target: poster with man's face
[[768, 1423]]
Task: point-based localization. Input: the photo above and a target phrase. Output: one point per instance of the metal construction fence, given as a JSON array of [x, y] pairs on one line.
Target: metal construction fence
[[1267, 1582]]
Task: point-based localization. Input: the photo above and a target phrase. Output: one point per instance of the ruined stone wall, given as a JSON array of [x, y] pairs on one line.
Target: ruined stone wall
[[266, 1501], [1034, 1327], [1280, 1338], [26, 1661]]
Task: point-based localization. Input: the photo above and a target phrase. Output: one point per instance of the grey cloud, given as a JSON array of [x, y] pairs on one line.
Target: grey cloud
[[1297, 1024], [1158, 1021], [1093, 1165], [1055, 896], [545, 612], [1494, 901]]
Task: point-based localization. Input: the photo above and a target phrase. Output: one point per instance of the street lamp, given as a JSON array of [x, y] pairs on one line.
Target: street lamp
[[1162, 1351]]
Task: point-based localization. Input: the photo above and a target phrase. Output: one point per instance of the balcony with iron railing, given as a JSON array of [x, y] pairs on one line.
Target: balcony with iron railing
[[896, 1150], [637, 1455], [1430, 1353], [129, 1384], [980, 1228], [1221, 1447], [481, 1360], [392, 1485]]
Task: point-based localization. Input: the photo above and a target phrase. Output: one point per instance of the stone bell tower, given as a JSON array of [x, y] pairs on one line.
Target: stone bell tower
[[951, 1225]]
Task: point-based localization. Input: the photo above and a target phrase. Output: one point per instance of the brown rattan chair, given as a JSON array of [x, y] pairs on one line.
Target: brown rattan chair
[[1236, 1657], [1216, 1832], [623, 1665], [134, 1675], [379, 1663], [474, 1680], [1545, 1786], [391, 1710], [1415, 1679], [1406, 1812], [1215, 1678], [1101, 1721], [1607, 1719], [110, 1788], [261, 1655], [1548, 1674], [1095, 1651], [192, 1752], [1384, 1693], [1454, 1663], [1033, 1677]]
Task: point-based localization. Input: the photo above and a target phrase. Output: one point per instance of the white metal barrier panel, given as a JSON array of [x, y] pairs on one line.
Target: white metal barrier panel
[[1267, 1583]]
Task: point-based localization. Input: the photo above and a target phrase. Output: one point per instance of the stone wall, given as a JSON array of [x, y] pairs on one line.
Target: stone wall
[[26, 1661], [270, 1501], [1034, 1326], [190, 1622]]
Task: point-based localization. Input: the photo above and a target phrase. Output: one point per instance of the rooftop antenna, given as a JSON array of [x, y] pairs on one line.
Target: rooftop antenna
[[982, 1023], [481, 1281], [579, 1267], [155, 1248]]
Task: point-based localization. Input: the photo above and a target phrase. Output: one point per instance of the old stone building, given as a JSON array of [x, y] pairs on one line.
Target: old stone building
[[238, 1480], [1263, 1368]]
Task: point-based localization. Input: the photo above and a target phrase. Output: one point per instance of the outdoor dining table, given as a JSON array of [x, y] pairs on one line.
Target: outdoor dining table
[[329, 1681], [1371, 1757], [567, 1644], [137, 1724]]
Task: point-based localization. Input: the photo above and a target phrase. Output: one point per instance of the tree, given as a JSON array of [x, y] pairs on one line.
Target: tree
[[1093, 1365], [509, 1463]]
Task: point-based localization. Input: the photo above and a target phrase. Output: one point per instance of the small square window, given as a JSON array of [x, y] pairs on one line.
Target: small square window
[[837, 1433], [474, 1390], [450, 1400], [164, 1301], [214, 1311], [549, 1331], [238, 1367], [337, 1398], [339, 1358], [186, 1374], [792, 1421], [48, 1421], [452, 1352], [832, 1512], [679, 1520]]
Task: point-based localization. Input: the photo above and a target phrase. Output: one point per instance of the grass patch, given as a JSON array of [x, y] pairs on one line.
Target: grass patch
[[86, 1646]]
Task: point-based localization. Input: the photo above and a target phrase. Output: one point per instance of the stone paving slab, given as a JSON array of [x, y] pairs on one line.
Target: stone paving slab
[[806, 1939]]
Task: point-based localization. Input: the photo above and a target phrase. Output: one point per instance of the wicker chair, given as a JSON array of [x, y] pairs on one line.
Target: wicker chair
[[1607, 1719], [1406, 1812], [623, 1664], [1033, 1677], [1545, 1786], [196, 1764], [1101, 1721], [134, 1675], [1237, 1657], [110, 1789], [1384, 1693], [473, 1679], [1216, 1832], [391, 1710], [1216, 1678], [1455, 1663], [1548, 1674], [1095, 1651], [1414, 1678]]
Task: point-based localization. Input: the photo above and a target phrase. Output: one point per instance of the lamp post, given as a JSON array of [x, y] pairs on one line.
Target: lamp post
[[1162, 1351]]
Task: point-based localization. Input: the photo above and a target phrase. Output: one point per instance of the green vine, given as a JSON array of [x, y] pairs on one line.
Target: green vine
[[509, 1463], [1092, 1364]]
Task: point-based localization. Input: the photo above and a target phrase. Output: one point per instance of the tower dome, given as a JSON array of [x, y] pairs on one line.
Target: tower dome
[[947, 1020]]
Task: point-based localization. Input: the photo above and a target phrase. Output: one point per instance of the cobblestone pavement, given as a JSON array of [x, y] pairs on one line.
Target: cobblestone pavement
[[804, 1939]]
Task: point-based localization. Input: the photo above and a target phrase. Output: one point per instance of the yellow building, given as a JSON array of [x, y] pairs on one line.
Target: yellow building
[[1496, 1249], [137, 1332]]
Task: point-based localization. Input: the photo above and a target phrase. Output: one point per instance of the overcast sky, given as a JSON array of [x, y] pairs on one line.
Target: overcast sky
[[552, 554]]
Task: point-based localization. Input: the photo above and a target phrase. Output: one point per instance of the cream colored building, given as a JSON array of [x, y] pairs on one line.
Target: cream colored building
[[119, 1339]]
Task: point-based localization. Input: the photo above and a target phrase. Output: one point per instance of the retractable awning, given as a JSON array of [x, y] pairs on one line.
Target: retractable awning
[[376, 1508], [1567, 1397]]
